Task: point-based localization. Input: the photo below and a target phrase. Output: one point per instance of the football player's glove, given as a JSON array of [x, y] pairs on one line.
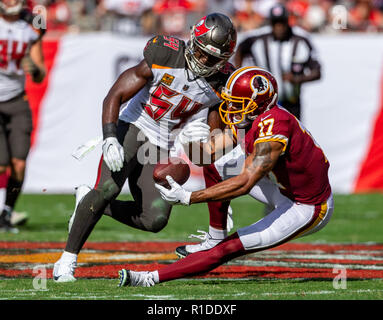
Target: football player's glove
[[113, 154], [175, 195], [195, 131], [30, 67]]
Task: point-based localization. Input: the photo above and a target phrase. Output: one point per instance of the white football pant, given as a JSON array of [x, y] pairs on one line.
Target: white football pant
[[288, 220]]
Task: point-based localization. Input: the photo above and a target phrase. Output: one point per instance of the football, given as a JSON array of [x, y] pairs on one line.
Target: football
[[175, 167]]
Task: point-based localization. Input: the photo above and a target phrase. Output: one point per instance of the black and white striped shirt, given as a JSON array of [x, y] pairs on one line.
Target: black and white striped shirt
[[296, 54]]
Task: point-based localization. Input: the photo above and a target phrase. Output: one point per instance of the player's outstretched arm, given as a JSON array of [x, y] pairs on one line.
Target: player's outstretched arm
[[257, 165], [221, 138], [126, 86], [206, 143]]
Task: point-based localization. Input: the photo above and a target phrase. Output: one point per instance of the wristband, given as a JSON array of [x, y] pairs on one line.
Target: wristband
[[109, 130]]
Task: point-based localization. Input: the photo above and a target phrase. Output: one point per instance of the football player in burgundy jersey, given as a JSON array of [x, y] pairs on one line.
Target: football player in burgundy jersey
[[20, 53], [174, 83], [284, 168]]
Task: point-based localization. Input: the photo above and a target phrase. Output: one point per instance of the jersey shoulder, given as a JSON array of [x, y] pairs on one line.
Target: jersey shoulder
[[165, 51], [277, 119]]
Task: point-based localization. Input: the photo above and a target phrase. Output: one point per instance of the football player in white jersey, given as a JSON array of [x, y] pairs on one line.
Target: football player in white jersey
[[20, 53], [174, 83]]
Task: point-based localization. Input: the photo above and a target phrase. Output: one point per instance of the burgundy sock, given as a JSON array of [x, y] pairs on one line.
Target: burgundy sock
[[203, 261], [217, 210]]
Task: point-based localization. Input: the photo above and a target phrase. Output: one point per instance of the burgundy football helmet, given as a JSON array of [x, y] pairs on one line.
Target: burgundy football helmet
[[212, 43], [11, 7], [249, 92]]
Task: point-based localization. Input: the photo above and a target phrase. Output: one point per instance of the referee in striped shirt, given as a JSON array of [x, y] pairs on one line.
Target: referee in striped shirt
[[286, 52]]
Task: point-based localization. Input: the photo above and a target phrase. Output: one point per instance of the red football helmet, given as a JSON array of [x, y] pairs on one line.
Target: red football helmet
[[249, 92], [11, 7]]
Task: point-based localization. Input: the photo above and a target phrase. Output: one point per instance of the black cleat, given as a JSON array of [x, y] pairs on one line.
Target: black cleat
[[181, 252]]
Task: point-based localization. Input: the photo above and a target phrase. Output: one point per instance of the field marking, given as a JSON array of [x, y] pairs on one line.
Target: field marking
[[87, 257], [291, 264], [210, 295], [291, 260], [320, 292], [153, 296], [318, 256]]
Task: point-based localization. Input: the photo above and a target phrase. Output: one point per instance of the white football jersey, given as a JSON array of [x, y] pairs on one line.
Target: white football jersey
[[15, 41], [174, 95], [158, 109]]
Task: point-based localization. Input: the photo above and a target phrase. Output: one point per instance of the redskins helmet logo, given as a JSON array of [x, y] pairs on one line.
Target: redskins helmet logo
[[201, 28], [261, 84]]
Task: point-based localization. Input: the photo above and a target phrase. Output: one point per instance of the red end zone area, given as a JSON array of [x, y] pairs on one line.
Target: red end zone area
[[289, 261]]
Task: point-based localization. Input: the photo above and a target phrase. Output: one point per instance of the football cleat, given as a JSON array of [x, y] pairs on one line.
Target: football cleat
[[207, 243], [5, 224], [81, 191], [64, 271], [135, 279], [19, 218]]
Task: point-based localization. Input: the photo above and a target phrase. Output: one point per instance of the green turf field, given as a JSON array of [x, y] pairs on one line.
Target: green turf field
[[356, 219]]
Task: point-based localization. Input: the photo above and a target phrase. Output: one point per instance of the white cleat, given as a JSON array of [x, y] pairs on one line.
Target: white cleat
[[135, 278], [18, 218], [207, 243], [64, 271], [81, 191]]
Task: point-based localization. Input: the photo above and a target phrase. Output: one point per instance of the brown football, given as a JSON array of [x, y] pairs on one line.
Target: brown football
[[175, 167]]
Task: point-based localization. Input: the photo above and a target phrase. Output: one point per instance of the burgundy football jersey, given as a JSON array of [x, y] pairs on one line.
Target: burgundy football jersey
[[302, 170]]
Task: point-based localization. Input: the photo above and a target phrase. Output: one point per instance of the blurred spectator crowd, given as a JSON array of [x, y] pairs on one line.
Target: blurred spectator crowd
[[174, 17]]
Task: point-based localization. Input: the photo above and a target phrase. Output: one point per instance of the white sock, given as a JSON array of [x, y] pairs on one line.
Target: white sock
[[67, 256], [156, 277], [217, 233]]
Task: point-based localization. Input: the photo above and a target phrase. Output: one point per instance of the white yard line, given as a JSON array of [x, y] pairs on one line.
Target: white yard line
[[290, 264], [321, 292]]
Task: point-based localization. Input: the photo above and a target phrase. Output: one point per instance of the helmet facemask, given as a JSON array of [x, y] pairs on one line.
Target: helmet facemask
[[240, 111], [235, 110], [193, 53]]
